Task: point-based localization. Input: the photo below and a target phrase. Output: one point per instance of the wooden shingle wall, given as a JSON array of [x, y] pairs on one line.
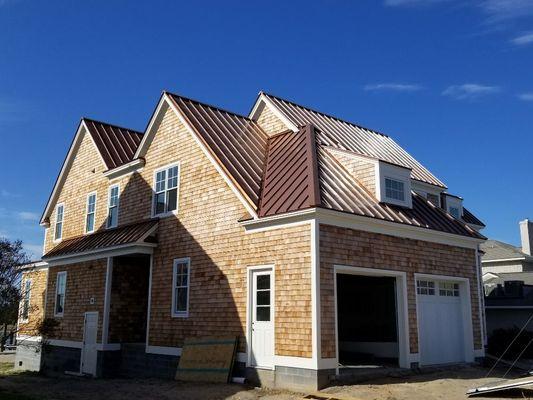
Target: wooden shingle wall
[[348, 247], [37, 301], [269, 122]]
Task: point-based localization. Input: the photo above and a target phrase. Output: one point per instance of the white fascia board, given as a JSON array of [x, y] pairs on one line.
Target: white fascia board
[[124, 169], [37, 266], [262, 99], [357, 222], [136, 248]]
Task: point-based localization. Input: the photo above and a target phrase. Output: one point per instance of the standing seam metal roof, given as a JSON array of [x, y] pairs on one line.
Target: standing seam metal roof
[[117, 145], [347, 136]]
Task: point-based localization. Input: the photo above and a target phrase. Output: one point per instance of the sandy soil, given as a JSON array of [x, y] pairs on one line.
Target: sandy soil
[[450, 384]]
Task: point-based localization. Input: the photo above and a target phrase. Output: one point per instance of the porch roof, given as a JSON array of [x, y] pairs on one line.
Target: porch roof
[[131, 235]]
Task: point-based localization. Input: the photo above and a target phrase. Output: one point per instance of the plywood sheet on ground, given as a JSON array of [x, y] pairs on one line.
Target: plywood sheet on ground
[[207, 359]]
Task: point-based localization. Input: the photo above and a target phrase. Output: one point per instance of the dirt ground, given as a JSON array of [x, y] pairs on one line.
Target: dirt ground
[[444, 384]]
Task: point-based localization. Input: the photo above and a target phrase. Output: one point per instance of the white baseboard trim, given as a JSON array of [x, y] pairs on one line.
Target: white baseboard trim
[[78, 345], [296, 362], [164, 350], [28, 338]]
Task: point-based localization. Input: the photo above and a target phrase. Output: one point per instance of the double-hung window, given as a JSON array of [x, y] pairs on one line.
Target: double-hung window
[[61, 290], [58, 231], [91, 212], [394, 189], [26, 294], [166, 190], [180, 287], [112, 207]]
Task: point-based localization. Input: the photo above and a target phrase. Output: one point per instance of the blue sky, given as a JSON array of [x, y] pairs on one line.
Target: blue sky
[[449, 80]]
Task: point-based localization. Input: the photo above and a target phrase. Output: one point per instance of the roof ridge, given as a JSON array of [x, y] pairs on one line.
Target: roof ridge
[[325, 114], [209, 105], [112, 125]]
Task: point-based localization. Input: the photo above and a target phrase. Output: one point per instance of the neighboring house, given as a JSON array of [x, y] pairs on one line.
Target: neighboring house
[[319, 243], [500, 257], [508, 281]]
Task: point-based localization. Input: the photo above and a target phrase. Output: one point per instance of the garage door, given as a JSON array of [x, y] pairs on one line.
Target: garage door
[[440, 322]]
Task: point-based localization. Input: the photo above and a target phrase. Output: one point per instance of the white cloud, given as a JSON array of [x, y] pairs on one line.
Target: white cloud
[[526, 96], [470, 91], [395, 87], [400, 3], [498, 10], [526, 38], [28, 216]]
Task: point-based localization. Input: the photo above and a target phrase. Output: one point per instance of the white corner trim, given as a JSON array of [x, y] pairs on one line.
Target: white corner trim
[[315, 293], [503, 260]]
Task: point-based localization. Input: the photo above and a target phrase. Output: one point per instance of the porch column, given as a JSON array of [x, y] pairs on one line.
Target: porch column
[[107, 301]]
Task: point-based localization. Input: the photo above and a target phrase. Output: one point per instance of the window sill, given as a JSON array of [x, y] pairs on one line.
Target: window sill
[[180, 315], [166, 215], [58, 315]]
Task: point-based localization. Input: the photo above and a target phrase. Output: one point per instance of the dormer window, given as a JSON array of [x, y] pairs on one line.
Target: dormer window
[[394, 189], [454, 205], [393, 184], [454, 211]]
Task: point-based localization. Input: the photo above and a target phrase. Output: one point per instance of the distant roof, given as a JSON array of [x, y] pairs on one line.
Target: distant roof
[[496, 250], [348, 136], [101, 240], [117, 145], [500, 278], [470, 218]]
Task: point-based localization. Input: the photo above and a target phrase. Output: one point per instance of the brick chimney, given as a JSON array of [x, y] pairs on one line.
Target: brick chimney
[[526, 234]]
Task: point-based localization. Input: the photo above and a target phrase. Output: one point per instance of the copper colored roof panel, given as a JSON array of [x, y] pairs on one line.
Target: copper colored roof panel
[[342, 192], [347, 136], [291, 176], [470, 218], [236, 141], [99, 240], [116, 145]]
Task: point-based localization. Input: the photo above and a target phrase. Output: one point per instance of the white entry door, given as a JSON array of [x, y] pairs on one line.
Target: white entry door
[[88, 351], [262, 319], [440, 321]]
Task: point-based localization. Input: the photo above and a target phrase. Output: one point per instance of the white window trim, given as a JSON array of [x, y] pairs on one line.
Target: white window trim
[[87, 210], [54, 239], [174, 313], [25, 283], [116, 185], [56, 314], [166, 167], [397, 173]]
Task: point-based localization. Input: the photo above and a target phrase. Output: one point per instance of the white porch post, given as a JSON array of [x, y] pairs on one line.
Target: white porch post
[[107, 300]]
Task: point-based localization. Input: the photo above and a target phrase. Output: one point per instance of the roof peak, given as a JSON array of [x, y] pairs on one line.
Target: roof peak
[[323, 113], [112, 125], [207, 105]]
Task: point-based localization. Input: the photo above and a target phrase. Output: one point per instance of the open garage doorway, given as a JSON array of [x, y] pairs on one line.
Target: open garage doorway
[[367, 320]]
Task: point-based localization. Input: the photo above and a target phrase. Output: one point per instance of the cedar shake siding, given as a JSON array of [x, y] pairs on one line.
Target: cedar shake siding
[[269, 122], [348, 247], [204, 228], [37, 301]]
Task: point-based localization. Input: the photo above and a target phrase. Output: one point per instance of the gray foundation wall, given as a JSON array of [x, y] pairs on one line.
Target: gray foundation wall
[[28, 356], [291, 378], [57, 359]]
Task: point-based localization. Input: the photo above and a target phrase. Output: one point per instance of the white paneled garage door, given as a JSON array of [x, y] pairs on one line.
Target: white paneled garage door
[[440, 321]]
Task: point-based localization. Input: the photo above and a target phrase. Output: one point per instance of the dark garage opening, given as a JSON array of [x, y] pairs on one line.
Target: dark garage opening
[[367, 320]]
